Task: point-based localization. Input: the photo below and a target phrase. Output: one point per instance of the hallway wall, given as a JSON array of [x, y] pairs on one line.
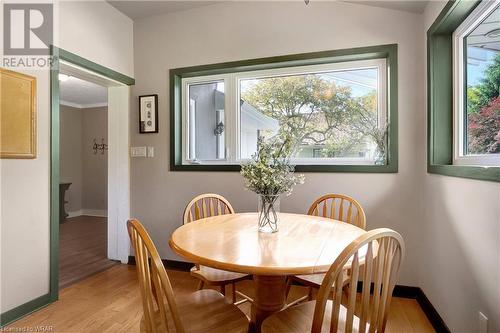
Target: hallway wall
[[71, 156], [87, 172], [95, 166]]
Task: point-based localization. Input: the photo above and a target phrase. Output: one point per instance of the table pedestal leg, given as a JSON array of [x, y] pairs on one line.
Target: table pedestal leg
[[270, 297]]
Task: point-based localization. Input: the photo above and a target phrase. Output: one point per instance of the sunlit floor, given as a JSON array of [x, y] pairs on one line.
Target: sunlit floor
[[110, 302]]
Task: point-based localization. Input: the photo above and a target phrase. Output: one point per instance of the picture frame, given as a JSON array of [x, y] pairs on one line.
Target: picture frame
[[148, 113], [18, 135]]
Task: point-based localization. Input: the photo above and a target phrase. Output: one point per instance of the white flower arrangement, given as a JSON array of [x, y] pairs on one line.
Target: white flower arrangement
[[269, 171]]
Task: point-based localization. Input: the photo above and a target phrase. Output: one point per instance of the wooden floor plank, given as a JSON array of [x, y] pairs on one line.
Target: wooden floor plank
[[82, 248], [110, 302]]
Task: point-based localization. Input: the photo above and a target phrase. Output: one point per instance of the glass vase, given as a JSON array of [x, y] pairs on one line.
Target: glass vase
[[380, 157], [269, 207]]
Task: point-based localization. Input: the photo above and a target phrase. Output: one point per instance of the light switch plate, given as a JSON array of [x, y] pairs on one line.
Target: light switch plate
[[151, 151], [138, 151], [483, 323]]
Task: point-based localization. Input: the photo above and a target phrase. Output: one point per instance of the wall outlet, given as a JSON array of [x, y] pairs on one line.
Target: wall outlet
[[151, 151], [138, 151], [483, 323]]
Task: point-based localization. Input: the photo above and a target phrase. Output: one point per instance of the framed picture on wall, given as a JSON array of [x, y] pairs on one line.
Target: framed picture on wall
[[17, 115], [148, 114]]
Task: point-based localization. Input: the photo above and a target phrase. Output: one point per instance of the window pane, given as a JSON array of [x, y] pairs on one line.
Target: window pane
[[338, 111], [206, 122], [482, 118]]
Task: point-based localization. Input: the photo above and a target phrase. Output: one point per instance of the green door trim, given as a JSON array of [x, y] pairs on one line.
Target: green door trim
[[75, 59], [53, 294]]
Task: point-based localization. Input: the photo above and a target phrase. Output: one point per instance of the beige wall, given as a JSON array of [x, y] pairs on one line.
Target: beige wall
[[95, 31], [71, 156], [460, 241], [262, 29], [98, 32], [87, 172], [25, 214], [95, 166]]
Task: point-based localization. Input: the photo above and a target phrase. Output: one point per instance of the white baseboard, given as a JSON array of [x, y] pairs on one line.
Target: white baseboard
[[95, 212], [88, 212], [74, 213]]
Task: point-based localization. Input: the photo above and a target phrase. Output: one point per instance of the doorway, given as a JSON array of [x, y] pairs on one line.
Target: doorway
[[83, 160], [107, 215]]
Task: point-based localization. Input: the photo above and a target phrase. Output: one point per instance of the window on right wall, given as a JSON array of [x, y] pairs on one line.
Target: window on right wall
[[476, 91], [463, 89]]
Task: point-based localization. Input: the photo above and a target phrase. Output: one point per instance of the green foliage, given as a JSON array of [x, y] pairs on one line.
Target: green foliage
[[323, 112], [473, 100], [483, 112], [484, 129], [490, 85], [488, 89], [269, 171]]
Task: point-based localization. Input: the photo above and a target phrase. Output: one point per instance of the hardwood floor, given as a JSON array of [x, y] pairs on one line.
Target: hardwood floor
[[83, 248], [110, 302]]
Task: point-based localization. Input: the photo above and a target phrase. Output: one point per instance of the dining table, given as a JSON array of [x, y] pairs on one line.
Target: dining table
[[304, 244]]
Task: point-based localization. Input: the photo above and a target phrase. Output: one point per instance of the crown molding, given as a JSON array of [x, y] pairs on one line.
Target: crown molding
[[82, 106]]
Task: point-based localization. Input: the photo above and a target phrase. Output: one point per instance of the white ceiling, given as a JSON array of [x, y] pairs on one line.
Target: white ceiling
[[82, 94], [141, 9], [407, 6]]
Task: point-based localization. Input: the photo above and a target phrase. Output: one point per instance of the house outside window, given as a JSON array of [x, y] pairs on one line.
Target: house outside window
[[342, 110]]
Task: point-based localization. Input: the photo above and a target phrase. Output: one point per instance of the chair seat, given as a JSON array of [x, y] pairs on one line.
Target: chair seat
[[299, 318], [206, 311], [216, 276], [315, 280]]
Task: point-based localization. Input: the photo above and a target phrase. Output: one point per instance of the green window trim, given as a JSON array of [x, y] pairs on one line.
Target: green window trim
[[440, 96], [389, 52]]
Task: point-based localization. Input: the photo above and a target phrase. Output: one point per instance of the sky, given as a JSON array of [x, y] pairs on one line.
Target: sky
[[361, 81], [478, 60]]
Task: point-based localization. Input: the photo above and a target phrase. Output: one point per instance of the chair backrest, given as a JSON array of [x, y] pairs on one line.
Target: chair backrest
[[154, 284], [379, 253], [206, 205], [339, 207]]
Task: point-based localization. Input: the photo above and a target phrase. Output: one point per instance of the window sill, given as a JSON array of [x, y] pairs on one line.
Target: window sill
[[488, 173], [391, 168]]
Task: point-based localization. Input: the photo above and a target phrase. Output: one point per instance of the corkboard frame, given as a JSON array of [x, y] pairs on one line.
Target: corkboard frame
[[21, 144]]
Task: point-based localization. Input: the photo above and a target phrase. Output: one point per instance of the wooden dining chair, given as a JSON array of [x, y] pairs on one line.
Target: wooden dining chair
[[334, 206], [202, 311], [339, 207], [381, 252], [206, 205]]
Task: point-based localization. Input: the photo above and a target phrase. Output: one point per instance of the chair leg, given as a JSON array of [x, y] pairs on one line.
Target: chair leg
[[310, 294], [234, 292], [201, 284], [223, 289]]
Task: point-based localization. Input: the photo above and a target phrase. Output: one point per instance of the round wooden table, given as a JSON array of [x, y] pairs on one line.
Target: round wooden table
[[303, 245]]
